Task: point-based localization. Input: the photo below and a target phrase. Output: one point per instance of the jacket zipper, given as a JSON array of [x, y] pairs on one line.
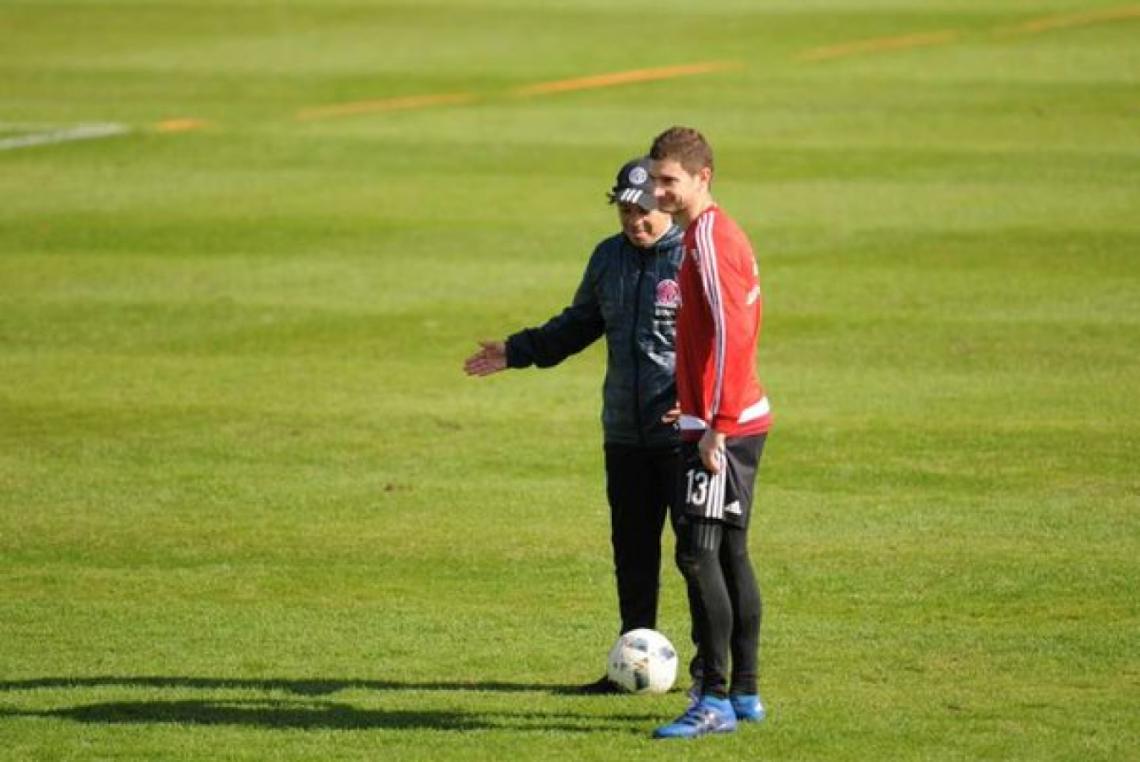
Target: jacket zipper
[[633, 348]]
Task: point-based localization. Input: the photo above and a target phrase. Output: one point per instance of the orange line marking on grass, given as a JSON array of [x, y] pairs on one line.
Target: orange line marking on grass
[[1071, 20], [879, 45], [614, 79], [405, 103], [181, 125], [402, 103], [624, 78]]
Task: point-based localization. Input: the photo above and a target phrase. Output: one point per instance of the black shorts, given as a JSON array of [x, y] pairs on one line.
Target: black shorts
[[726, 496]]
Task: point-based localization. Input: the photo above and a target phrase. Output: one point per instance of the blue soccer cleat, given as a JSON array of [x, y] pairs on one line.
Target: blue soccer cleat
[[709, 715], [693, 694], [747, 708]]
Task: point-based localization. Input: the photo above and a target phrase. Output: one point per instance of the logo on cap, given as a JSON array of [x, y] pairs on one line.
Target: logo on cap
[[638, 175]]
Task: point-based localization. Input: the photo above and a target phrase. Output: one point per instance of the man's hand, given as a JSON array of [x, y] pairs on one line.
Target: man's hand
[[711, 448], [490, 359], [672, 414]]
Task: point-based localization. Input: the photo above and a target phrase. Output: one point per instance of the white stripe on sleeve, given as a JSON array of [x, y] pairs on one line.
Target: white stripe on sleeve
[[711, 278]]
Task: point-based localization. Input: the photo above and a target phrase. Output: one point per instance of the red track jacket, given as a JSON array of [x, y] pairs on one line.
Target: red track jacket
[[718, 326]]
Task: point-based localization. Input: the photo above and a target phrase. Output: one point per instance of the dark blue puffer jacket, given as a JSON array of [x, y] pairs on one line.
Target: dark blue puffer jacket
[[631, 296]]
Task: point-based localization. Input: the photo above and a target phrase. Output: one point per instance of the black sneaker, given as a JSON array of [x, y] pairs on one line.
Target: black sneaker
[[601, 687]]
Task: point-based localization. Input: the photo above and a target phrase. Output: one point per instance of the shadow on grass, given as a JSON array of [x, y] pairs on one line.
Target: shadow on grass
[[273, 715], [300, 687], [308, 713]]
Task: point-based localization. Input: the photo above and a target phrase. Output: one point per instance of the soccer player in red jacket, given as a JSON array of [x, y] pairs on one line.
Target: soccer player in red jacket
[[724, 423]]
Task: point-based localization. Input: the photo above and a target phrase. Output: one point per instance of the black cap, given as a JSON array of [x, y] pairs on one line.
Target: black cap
[[633, 185]]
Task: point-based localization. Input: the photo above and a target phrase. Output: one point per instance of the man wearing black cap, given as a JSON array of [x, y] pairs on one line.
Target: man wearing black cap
[[629, 294]]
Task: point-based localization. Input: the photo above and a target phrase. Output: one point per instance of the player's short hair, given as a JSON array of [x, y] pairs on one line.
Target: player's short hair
[[684, 145]]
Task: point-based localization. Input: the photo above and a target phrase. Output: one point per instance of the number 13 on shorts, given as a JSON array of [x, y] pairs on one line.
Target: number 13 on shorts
[[703, 491], [697, 487]]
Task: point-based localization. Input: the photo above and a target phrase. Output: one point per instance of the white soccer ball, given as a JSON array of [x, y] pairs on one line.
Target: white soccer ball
[[643, 661]]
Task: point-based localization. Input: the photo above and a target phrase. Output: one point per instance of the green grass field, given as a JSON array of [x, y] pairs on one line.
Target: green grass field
[[250, 507]]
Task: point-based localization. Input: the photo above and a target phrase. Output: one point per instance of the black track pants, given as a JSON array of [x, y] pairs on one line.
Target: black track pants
[[724, 596], [640, 485]]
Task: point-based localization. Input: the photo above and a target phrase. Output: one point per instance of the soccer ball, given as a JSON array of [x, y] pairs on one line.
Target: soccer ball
[[642, 661]]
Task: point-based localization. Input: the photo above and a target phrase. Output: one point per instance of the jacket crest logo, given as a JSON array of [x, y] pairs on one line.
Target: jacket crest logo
[[668, 294]]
